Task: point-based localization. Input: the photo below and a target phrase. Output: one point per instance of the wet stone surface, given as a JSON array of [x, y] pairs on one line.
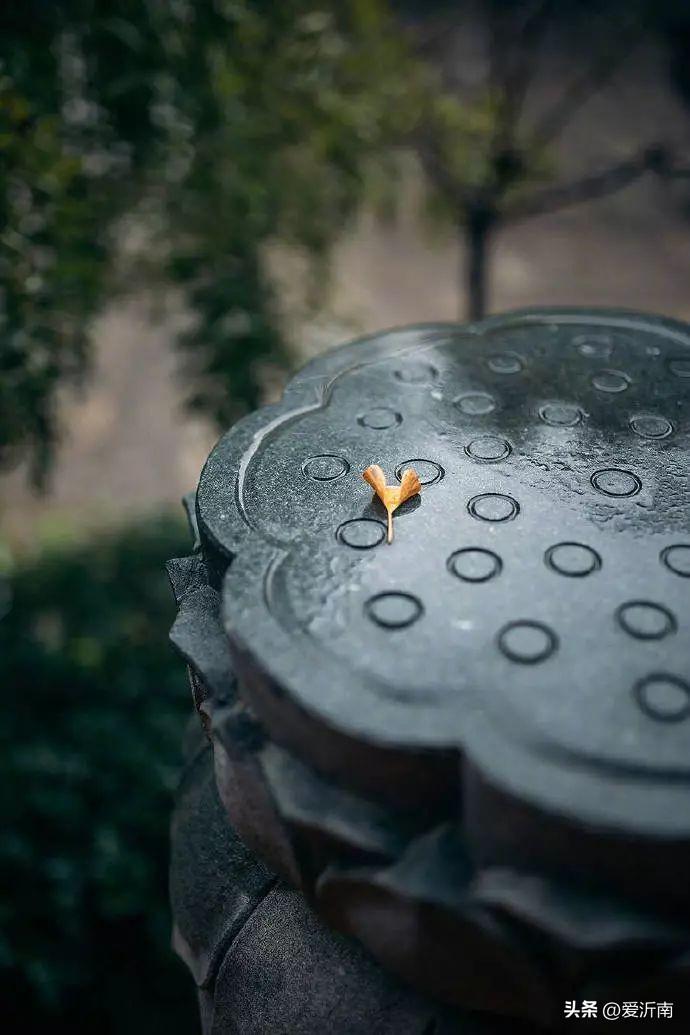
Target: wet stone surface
[[361, 533], [574, 559], [325, 468], [428, 471], [664, 697], [611, 381], [615, 482], [489, 448], [475, 565], [394, 610], [379, 418], [527, 642], [651, 426], [645, 620], [505, 363], [560, 414], [677, 559], [454, 744], [547, 556], [476, 404], [413, 373], [493, 506]]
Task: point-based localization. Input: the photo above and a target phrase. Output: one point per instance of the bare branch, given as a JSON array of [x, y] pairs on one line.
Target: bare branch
[[584, 86], [599, 185], [678, 172], [519, 65], [575, 97], [494, 49]]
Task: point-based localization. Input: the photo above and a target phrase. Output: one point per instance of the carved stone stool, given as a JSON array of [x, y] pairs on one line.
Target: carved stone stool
[[467, 751]]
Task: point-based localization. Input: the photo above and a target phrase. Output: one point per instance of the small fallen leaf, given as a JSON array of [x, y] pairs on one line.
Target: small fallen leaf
[[392, 495]]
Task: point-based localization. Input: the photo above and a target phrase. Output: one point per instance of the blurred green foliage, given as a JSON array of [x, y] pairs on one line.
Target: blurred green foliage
[[95, 704], [218, 126], [51, 257]]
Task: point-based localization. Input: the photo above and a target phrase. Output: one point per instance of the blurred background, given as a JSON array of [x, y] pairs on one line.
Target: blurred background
[[195, 197]]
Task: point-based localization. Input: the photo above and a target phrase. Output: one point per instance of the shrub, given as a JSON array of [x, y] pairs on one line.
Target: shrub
[[95, 704]]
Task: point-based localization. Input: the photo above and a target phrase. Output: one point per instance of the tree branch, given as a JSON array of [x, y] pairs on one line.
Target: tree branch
[[513, 69], [584, 86], [678, 172], [599, 185]]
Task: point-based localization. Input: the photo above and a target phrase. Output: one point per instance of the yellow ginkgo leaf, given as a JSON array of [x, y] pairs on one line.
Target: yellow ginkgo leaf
[[392, 495]]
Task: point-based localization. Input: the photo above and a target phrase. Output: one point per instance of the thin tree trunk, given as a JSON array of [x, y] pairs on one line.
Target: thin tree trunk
[[476, 230]]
